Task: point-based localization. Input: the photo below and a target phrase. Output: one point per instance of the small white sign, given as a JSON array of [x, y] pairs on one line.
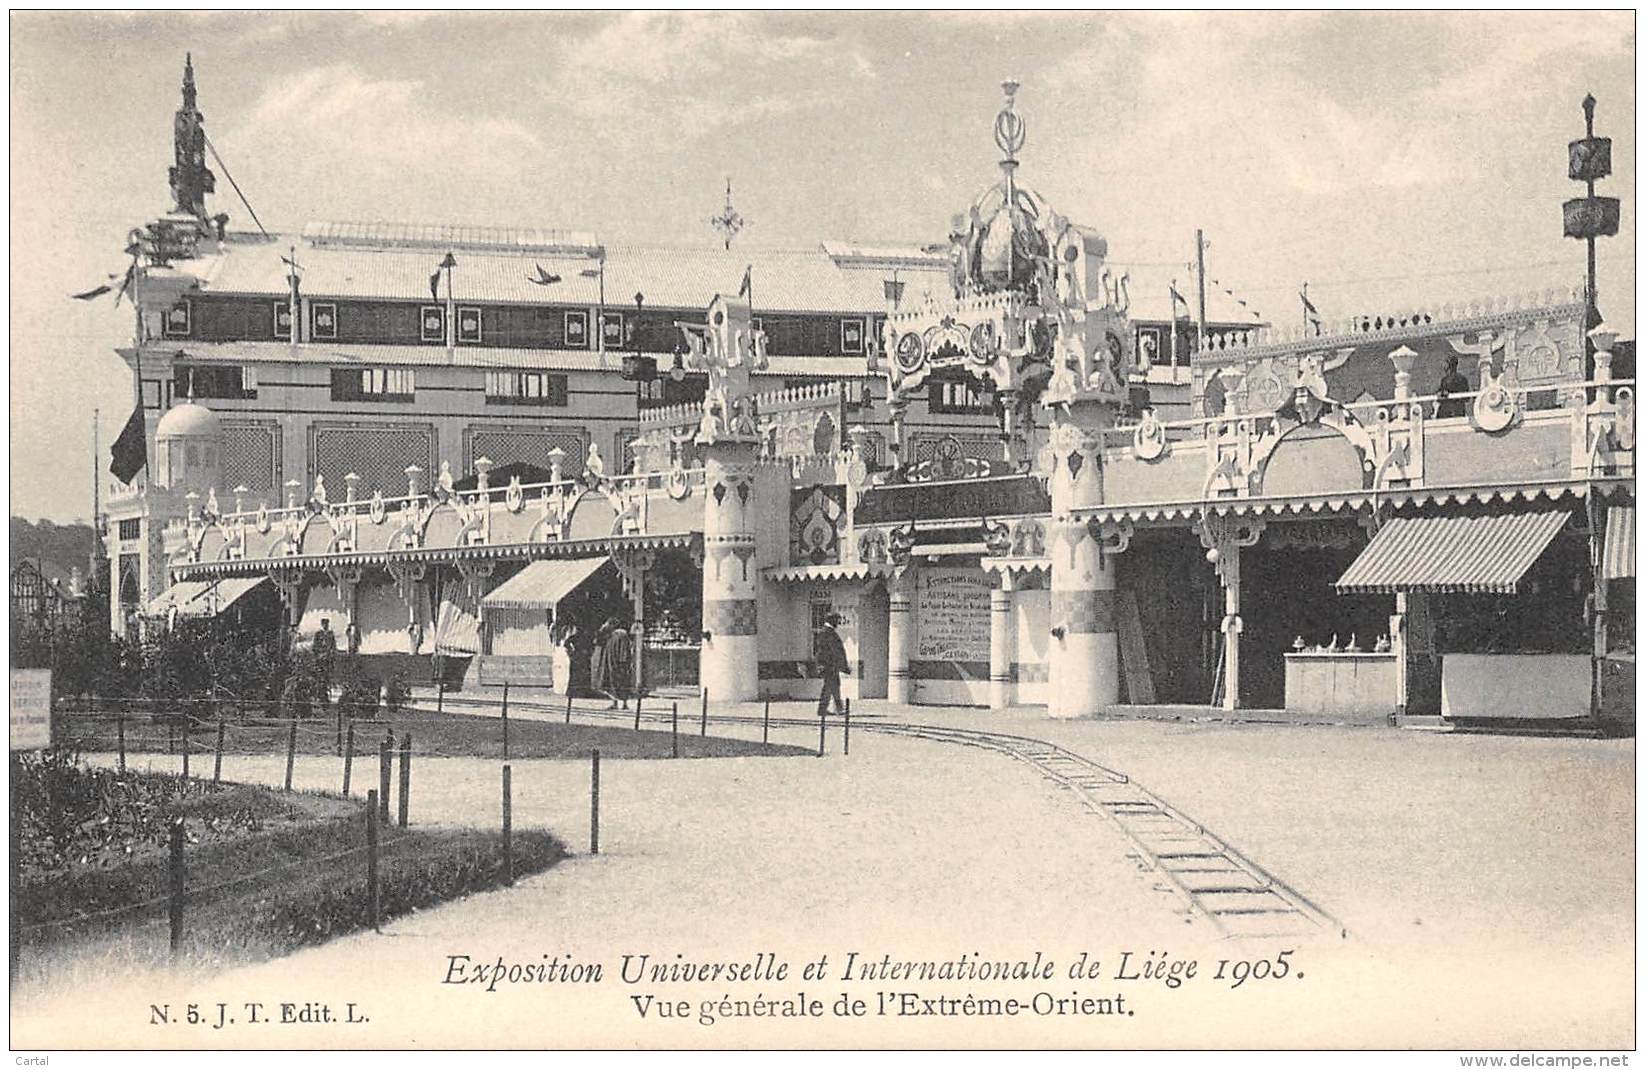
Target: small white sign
[[30, 709]]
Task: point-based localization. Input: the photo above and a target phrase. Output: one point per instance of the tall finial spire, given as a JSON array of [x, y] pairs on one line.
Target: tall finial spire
[[729, 222], [1010, 131], [191, 179]]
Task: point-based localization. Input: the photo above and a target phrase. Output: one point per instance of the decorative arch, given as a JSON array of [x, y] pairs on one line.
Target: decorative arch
[[1347, 430], [591, 516]]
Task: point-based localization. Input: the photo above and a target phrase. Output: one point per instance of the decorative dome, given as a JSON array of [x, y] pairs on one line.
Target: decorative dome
[[188, 420]]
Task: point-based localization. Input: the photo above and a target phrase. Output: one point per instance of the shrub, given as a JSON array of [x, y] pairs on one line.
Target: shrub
[[398, 694], [361, 694]]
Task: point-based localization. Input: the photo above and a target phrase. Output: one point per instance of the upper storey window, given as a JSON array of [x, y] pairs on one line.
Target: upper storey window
[[215, 381], [373, 384], [525, 388]]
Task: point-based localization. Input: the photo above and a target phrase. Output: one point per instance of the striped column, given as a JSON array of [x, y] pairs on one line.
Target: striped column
[[1084, 659], [1002, 644], [900, 638], [730, 651], [1083, 655]]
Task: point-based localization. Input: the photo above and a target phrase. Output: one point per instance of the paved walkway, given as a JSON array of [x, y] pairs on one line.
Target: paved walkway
[[1489, 882]]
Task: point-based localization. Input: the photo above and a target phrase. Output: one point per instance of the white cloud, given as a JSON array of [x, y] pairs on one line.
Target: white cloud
[[694, 73], [383, 134]]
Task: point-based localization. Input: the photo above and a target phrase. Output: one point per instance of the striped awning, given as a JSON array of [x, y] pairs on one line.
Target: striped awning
[[542, 584], [1619, 543], [1448, 554], [203, 598], [177, 596]]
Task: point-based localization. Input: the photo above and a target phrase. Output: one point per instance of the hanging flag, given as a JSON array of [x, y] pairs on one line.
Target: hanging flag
[[434, 285], [130, 451], [543, 277], [893, 291], [747, 288], [98, 291]]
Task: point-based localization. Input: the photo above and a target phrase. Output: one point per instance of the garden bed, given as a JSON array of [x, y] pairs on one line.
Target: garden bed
[[266, 872]]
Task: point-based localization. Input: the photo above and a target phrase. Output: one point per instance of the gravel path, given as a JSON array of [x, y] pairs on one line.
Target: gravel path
[[1454, 861]]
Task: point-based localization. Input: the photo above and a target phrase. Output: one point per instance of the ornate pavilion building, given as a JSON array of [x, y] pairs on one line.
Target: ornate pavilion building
[[962, 453]]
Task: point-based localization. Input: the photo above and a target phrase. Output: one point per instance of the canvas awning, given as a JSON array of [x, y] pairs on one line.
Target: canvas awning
[[203, 598], [176, 596], [1486, 554], [1619, 543], [542, 584]]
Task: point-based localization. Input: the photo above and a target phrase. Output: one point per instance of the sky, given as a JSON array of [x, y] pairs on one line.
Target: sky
[[1390, 160]]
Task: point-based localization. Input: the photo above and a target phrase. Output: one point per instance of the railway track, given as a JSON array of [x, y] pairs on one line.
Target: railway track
[[1210, 878]]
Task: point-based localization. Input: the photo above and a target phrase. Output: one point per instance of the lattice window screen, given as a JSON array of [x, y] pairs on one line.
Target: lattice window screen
[[982, 447], [378, 454], [528, 447], [251, 456]]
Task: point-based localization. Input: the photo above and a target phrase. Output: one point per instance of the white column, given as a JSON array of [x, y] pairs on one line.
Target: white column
[[1084, 658], [1002, 643], [900, 638], [730, 657]]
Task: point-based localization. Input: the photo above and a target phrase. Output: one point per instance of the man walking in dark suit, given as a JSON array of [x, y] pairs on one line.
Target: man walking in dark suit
[[831, 661]]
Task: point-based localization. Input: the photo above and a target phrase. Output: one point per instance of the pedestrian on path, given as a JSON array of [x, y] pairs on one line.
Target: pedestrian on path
[[613, 662], [831, 662]]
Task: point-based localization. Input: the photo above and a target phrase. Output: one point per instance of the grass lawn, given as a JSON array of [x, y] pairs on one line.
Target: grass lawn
[[432, 735], [265, 872]]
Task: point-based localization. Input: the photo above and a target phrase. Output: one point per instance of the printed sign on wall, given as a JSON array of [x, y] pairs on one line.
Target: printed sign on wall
[[30, 709], [952, 615]]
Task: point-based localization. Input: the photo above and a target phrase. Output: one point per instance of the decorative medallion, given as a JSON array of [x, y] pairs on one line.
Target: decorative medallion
[[262, 519], [379, 509], [514, 496], [1148, 439]]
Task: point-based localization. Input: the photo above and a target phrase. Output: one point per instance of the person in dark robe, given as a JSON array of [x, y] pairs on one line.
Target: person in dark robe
[[831, 662], [1452, 383]]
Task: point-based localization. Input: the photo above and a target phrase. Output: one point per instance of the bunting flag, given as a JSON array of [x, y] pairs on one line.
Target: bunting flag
[[107, 287], [543, 278], [130, 451], [1310, 314], [893, 291], [747, 288], [434, 285], [1178, 299]]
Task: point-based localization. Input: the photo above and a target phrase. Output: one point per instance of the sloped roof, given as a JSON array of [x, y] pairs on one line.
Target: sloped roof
[[783, 280], [381, 261]]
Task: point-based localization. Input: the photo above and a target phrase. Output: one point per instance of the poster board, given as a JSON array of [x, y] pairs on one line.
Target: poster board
[[952, 615], [30, 709]]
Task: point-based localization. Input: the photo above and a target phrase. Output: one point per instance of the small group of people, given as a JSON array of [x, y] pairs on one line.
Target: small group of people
[[610, 653]]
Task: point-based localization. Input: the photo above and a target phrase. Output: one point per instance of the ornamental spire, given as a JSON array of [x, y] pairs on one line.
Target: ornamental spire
[[191, 179]]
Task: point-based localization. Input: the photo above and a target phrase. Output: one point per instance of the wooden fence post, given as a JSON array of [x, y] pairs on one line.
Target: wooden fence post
[[568, 703], [765, 728], [385, 773], [291, 752], [674, 730], [705, 711], [120, 729], [848, 727], [217, 763], [822, 733], [508, 824], [405, 780], [639, 700], [374, 890], [440, 692], [187, 741], [348, 759], [339, 727], [505, 720], [594, 806], [177, 887]]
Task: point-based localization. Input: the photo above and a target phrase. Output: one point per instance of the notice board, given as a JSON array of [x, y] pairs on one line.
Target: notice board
[[30, 709], [951, 615]]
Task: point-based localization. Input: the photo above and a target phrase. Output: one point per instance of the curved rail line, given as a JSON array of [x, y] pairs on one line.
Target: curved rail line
[[1209, 876]]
